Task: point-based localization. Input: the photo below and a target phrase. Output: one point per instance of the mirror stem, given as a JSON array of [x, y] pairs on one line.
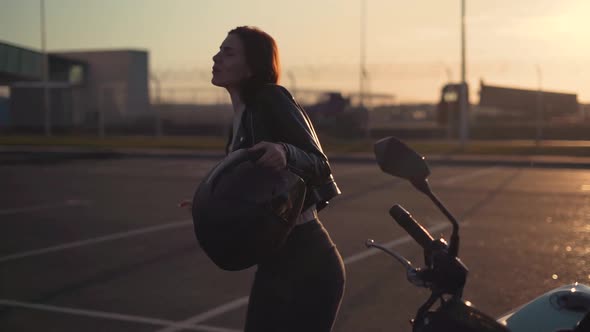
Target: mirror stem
[[422, 185]]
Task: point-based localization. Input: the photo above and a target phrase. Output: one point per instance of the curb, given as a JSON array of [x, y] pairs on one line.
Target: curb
[[465, 160], [10, 155]]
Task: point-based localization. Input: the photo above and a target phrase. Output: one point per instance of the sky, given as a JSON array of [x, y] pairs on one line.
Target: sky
[[412, 47]]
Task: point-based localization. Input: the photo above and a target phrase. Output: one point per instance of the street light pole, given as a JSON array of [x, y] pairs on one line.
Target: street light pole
[[158, 105], [463, 95], [463, 69], [46, 103], [362, 55], [539, 122], [291, 76], [449, 103], [363, 69]]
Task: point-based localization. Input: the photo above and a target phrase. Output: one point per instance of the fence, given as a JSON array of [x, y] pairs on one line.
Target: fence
[[179, 107]]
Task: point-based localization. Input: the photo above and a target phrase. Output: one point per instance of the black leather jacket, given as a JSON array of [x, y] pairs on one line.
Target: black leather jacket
[[275, 116]]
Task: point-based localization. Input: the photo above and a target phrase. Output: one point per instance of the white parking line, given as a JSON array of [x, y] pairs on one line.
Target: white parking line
[[69, 202], [209, 314], [106, 238], [114, 316], [235, 304]]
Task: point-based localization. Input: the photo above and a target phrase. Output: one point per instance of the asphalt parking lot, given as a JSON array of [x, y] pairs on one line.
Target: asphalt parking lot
[[99, 244]]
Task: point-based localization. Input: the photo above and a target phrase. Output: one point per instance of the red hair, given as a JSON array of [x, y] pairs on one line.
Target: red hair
[[262, 57]]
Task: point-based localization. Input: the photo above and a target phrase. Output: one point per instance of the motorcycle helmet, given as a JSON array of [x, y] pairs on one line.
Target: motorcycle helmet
[[242, 213]]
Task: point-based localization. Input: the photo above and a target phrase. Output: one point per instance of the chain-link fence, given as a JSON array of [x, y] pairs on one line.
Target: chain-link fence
[[185, 103]]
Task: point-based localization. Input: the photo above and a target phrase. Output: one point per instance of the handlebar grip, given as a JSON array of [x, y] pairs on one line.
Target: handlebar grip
[[411, 226]]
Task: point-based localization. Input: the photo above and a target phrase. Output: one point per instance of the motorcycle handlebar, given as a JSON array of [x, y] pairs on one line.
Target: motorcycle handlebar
[[411, 226]]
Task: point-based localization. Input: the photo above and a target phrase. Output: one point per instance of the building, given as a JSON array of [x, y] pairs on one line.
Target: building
[[85, 87], [519, 104]]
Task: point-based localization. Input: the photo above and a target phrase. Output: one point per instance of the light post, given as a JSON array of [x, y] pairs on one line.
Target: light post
[[293, 82], [463, 94], [46, 102], [158, 105], [539, 113], [447, 100], [363, 69], [362, 53]]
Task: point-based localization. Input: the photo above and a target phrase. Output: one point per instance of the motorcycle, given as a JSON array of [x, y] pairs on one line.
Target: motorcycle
[[564, 309]]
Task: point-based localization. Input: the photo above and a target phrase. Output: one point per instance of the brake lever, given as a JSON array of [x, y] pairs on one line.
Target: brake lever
[[370, 243], [414, 275]]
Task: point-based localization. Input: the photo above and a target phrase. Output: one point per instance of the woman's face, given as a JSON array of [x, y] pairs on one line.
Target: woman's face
[[229, 64]]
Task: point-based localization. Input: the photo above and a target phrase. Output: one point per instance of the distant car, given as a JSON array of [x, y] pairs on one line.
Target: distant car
[[334, 115]]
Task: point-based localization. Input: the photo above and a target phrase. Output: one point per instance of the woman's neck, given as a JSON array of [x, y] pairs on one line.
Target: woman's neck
[[236, 99]]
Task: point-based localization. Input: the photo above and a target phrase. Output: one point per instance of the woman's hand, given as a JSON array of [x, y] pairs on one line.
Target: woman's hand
[[185, 203], [274, 157]]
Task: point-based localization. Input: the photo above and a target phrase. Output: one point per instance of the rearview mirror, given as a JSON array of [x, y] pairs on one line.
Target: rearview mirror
[[397, 159]]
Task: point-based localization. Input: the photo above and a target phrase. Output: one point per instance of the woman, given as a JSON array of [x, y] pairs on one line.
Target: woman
[[301, 287]]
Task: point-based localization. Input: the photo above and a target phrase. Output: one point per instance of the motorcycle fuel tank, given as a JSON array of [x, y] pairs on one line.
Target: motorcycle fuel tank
[[560, 308]]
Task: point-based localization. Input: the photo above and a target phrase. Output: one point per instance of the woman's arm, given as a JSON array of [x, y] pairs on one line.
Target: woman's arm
[[294, 131]]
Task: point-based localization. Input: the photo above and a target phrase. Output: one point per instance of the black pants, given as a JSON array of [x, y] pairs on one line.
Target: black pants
[[301, 287]]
